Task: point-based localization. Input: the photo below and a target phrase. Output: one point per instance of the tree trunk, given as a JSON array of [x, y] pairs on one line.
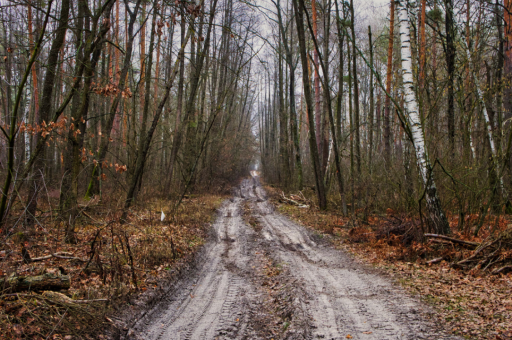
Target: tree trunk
[[437, 219], [372, 108], [315, 157], [356, 92], [291, 96], [450, 64], [94, 182], [44, 113], [11, 137], [389, 72]]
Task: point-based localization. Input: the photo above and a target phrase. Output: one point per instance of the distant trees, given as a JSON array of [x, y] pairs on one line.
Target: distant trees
[[400, 105], [136, 97], [108, 106]]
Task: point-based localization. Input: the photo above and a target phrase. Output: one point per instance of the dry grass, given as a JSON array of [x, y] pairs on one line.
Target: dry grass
[[114, 263]]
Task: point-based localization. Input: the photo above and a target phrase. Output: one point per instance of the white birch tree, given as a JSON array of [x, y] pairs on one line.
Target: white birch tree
[[437, 219]]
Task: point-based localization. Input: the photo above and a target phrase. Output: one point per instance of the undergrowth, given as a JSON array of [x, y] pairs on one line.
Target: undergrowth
[[110, 263]]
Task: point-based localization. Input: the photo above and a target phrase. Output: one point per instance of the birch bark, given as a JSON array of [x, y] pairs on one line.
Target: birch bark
[[437, 219]]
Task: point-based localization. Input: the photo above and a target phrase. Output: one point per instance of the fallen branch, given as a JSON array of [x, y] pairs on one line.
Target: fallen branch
[[59, 255], [53, 296], [502, 269], [39, 282], [59, 297], [289, 200], [466, 243], [436, 260]]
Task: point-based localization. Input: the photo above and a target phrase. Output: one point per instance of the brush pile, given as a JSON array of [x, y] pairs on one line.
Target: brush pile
[[493, 255]]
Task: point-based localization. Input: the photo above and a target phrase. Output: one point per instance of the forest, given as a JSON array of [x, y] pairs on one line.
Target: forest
[[125, 125]]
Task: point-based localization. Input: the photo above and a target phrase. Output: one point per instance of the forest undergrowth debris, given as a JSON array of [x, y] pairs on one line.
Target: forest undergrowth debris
[[110, 264], [466, 278]]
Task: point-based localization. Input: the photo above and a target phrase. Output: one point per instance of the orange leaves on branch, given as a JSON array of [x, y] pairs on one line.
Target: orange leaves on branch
[[110, 90], [43, 128], [120, 168]]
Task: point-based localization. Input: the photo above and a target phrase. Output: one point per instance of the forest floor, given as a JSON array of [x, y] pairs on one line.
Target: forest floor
[[258, 265], [121, 264], [469, 300], [263, 276]]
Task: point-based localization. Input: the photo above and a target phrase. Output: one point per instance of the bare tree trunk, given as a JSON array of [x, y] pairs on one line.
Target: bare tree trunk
[[72, 162], [356, 92], [450, 64], [284, 172], [11, 137], [315, 157], [437, 219], [372, 108], [389, 72], [44, 113], [293, 112], [94, 182], [147, 140], [177, 127]]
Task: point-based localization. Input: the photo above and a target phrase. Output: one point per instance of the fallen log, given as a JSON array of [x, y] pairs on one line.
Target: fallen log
[[36, 283], [454, 240]]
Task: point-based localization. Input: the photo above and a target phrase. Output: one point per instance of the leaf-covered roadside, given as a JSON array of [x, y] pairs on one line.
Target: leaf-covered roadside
[[111, 262], [469, 301]]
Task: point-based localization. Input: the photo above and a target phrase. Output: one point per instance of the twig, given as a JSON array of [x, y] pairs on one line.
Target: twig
[[92, 250], [468, 243], [59, 255], [436, 260], [502, 269], [134, 277]]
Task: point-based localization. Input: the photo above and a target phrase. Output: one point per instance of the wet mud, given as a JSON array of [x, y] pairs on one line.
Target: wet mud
[[263, 276]]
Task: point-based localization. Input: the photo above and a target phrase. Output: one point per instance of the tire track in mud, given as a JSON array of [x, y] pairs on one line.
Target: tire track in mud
[[344, 297], [208, 305], [318, 293]]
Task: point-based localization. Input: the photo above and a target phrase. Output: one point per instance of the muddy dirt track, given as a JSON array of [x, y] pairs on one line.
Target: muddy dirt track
[[263, 276]]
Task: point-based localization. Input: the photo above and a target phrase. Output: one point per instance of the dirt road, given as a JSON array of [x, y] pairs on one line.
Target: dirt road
[[264, 276]]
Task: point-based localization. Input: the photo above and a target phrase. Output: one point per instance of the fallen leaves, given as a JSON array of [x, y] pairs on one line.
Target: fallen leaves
[[156, 248], [472, 303]]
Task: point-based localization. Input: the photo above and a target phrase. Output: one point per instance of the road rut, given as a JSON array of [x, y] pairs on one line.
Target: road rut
[[327, 295]]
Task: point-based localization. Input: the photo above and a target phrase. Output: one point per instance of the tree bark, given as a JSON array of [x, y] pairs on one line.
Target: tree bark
[[437, 219], [315, 158], [387, 100], [44, 113]]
